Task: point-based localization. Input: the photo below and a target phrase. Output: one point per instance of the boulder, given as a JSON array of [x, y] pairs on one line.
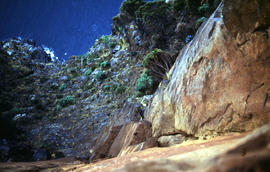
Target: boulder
[[130, 134], [166, 141], [249, 153], [216, 85], [149, 143], [129, 114], [104, 142]]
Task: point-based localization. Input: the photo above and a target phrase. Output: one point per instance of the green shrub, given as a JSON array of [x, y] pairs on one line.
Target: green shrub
[[62, 87], [112, 44], [203, 8], [144, 83], [88, 72], [216, 3], [120, 89], [104, 39], [59, 96], [152, 12], [158, 63], [108, 41], [65, 101], [200, 21], [188, 5], [100, 75], [151, 56], [104, 64], [90, 57], [107, 87], [58, 108], [178, 5], [130, 6]]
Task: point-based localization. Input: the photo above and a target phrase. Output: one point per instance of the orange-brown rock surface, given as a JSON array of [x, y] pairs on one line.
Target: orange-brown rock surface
[[217, 95], [130, 134], [216, 85], [125, 133], [234, 152]]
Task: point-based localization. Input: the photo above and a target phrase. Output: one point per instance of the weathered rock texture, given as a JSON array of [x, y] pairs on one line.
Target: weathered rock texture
[[148, 143], [165, 141], [246, 16], [123, 139], [104, 142], [217, 85], [234, 152], [119, 128], [130, 134], [250, 153], [129, 112]]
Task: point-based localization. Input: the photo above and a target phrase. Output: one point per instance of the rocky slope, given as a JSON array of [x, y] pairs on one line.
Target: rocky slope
[[49, 109], [215, 93], [234, 152]]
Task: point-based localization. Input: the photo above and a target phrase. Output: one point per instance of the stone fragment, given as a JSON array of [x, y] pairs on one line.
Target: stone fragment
[[166, 141], [104, 142], [130, 113], [149, 143], [130, 134]]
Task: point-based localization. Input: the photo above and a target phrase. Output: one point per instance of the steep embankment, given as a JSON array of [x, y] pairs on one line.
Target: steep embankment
[[216, 92], [50, 110]]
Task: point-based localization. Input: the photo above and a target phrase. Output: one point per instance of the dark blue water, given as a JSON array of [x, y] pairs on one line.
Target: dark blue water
[[70, 27]]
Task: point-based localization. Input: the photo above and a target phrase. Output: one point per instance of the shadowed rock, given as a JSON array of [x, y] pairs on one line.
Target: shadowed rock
[[130, 134]]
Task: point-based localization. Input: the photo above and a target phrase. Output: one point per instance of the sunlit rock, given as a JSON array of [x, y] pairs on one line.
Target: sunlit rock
[[216, 85]]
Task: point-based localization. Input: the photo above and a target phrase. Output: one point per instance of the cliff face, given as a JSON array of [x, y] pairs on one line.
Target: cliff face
[[62, 108], [218, 87], [220, 81]]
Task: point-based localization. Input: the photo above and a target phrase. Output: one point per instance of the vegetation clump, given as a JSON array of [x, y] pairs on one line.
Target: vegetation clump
[[65, 101], [100, 75], [144, 84], [108, 41], [151, 57], [104, 64], [158, 62], [62, 87], [88, 72], [200, 21], [130, 6], [120, 89], [188, 5], [151, 12]]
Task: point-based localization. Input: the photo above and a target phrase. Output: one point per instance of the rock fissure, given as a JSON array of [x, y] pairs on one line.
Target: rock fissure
[[183, 133], [257, 87], [265, 100], [218, 115]]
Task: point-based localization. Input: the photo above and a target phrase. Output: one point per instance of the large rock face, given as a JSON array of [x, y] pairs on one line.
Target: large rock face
[[217, 85]]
